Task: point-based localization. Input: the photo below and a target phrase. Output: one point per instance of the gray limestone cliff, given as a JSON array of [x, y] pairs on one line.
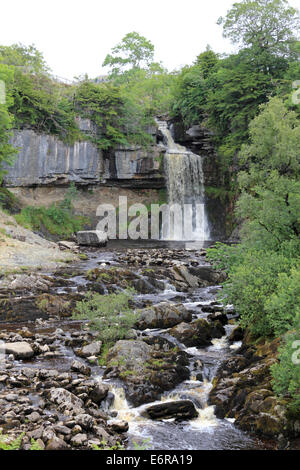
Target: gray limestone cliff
[[46, 160]]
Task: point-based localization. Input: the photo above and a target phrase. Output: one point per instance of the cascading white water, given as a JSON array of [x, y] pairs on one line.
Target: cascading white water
[[185, 185]]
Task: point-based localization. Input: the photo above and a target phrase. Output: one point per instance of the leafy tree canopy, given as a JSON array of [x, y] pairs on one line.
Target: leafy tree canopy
[[267, 25], [134, 51], [27, 58]]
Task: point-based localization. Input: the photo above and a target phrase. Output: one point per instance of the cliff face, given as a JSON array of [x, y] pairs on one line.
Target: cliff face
[[45, 160]]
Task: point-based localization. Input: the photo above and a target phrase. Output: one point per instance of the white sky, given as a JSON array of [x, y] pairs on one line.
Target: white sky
[[76, 35]]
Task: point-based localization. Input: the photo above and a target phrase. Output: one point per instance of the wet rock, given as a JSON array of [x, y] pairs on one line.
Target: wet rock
[[217, 330], [184, 273], [80, 367], [236, 335], [243, 390], [65, 399], [66, 245], [85, 421], [209, 274], [20, 350], [180, 410], [163, 315], [92, 349], [118, 426], [92, 238], [79, 440], [99, 393], [198, 333], [56, 444], [218, 316], [147, 367], [143, 286], [100, 432]]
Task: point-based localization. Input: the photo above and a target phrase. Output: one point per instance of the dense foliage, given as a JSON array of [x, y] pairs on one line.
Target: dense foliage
[[7, 152], [264, 270], [57, 219], [110, 315]]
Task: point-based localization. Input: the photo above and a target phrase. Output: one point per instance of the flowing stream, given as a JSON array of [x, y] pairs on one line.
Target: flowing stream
[[204, 432]]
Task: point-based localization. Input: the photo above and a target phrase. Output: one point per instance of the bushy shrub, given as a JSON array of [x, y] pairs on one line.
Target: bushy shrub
[[57, 219], [284, 304], [261, 285], [110, 315], [286, 373]]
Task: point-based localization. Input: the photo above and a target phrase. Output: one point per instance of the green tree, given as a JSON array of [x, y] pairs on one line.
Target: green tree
[[27, 58], [134, 51], [104, 105], [266, 25], [7, 151], [270, 198], [207, 62]]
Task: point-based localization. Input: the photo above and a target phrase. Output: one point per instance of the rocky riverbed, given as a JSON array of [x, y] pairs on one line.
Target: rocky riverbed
[[185, 378]]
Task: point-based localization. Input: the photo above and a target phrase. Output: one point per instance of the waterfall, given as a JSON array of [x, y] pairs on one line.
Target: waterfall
[[186, 196]]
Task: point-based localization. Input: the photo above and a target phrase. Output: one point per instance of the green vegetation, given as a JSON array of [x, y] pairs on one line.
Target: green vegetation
[[121, 108], [58, 219], [224, 93], [264, 269], [110, 315], [6, 443], [7, 152]]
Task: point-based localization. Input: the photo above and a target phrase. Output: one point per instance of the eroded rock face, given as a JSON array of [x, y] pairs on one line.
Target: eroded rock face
[[180, 410], [147, 367], [243, 390], [163, 315], [45, 160]]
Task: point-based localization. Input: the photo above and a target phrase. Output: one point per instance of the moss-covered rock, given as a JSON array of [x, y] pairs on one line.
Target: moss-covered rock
[[147, 367]]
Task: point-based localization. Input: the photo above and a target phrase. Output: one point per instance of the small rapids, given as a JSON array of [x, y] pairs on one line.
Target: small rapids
[[206, 431]]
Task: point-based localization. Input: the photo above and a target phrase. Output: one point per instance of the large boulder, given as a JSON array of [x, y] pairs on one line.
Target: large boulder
[[180, 410], [56, 444], [81, 368], [148, 367], [198, 333], [20, 349], [92, 349], [163, 315], [99, 393], [65, 399], [92, 238], [208, 274]]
